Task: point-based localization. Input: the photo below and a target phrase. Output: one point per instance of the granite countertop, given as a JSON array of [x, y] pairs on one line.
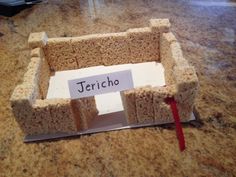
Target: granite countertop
[[207, 33]]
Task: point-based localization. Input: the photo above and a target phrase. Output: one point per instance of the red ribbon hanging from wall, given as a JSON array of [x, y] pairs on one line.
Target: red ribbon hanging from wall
[[179, 131]]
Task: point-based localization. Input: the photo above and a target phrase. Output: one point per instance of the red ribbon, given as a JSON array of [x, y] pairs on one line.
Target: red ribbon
[[179, 131]]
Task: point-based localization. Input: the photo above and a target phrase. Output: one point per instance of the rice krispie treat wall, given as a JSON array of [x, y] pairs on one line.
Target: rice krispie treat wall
[[38, 115]]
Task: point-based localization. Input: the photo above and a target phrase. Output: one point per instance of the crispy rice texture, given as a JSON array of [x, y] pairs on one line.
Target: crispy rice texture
[[37, 115]]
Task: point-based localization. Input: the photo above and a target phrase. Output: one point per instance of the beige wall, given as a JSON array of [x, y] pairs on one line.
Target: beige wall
[[37, 115]]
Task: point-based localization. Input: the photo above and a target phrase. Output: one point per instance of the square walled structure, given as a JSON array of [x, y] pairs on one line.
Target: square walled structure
[[37, 115]]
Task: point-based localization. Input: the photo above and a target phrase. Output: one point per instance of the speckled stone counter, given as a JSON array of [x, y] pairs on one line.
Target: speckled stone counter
[[207, 33]]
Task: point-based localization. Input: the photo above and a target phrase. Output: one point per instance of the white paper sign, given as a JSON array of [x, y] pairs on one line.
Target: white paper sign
[[99, 84]]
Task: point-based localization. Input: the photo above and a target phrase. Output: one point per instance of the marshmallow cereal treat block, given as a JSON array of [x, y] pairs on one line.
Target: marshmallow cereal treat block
[[144, 105], [87, 51], [54, 115], [44, 74], [129, 104], [160, 25], [143, 45], [37, 40], [60, 54], [21, 100], [114, 49], [85, 111], [37, 114], [162, 111]]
